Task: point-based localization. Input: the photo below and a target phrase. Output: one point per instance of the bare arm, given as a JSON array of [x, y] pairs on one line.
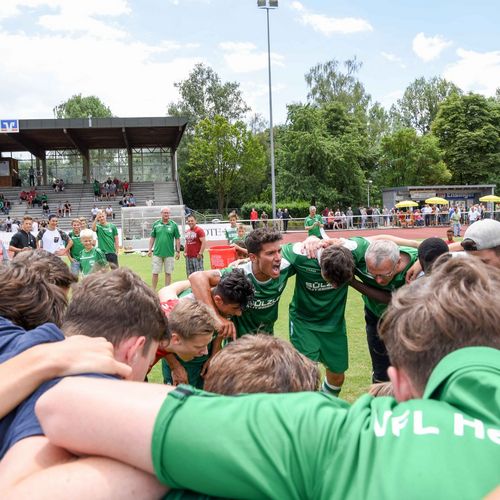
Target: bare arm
[[203, 246], [106, 411], [25, 372], [201, 283], [382, 296], [151, 245], [172, 291], [402, 242], [117, 245]]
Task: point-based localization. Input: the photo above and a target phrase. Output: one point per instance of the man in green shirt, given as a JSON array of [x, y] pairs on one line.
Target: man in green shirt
[[317, 324], [77, 247], [267, 271], [107, 238], [164, 235], [383, 265], [91, 258], [438, 438], [313, 223]]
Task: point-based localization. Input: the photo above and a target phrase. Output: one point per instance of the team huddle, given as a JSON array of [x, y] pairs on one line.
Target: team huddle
[[432, 430]]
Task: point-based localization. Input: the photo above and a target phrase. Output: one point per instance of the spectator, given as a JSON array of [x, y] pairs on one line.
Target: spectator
[[254, 217], [286, 218], [53, 239], [164, 235], [45, 208], [109, 212], [195, 246], [67, 209], [449, 237], [131, 200], [94, 212], [60, 209], [313, 223], [265, 218], [97, 190], [31, 173], [107, 238], [8, 225], [23, 240]]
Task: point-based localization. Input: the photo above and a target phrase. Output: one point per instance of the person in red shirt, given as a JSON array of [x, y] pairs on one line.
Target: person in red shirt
[[195, 246], [449, 235], [254, 217]]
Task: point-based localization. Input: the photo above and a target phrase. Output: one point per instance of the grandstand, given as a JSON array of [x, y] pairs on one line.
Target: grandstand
[[81, 197]]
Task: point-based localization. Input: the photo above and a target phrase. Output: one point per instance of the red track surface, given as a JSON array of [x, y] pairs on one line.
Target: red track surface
[[417, 233]]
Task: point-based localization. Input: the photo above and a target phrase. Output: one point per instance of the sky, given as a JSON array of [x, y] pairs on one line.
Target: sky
[[130, 53]]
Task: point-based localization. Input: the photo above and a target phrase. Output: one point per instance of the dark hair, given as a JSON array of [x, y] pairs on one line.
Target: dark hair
[[270, 365], [454, 307], [235, 288], [33, 289], [337, 265], [261, 236], [51, 216], [116, 305], [429, 250]]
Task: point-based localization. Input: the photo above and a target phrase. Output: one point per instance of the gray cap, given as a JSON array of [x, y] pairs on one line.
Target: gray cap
[[484, 233]]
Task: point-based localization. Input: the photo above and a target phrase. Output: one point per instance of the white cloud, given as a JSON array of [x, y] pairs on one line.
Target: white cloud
[[331, 25], [475, 71], [429, 48], [132, 78], [393, 58], [242, 57]]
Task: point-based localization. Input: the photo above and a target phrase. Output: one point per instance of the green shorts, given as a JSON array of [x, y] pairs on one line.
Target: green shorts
[[193, 369], [328, 348]]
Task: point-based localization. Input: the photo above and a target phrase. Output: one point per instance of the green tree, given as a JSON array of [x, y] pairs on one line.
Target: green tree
[[327, 83], [227, 159], [203, 95], [320, 156], [407, 158], [468, 129], [82, 107], [420, 103]]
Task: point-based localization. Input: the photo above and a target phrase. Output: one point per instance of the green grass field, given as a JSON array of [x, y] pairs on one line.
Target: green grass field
[[358, 376]]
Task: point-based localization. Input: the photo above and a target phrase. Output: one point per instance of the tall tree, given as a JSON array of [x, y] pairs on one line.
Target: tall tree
[[82, 107], [407, 158], [203, 95], [320, 156], [226, 157], [468, 129], [327, 82], [420, 103]]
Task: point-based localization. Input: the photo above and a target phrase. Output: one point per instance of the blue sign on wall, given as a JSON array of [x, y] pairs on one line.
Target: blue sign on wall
[[9, 126]]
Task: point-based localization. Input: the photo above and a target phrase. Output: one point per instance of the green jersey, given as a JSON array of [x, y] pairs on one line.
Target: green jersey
[[93, 260], [358, 247], [314, 300], [164, 235], [106, 237], [262, 312], [231, 234], [316, 230], [77, 247], [314, 446]]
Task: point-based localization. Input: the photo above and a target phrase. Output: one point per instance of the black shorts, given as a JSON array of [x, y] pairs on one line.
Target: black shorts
[[112, 258]]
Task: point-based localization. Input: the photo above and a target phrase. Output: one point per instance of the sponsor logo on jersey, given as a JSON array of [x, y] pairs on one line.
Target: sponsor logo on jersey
[[319, 287], [263, 303]]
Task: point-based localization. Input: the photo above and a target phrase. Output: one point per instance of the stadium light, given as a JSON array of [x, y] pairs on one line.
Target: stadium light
[[270, 4], [369, 184]]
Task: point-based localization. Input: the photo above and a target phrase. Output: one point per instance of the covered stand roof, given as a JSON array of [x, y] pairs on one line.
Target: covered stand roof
[[82, 134]]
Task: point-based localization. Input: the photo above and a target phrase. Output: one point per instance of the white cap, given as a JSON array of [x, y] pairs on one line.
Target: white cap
[[484, 233]]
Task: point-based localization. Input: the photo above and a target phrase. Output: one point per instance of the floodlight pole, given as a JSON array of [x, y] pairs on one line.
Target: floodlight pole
[[369, 183], [271, 134]]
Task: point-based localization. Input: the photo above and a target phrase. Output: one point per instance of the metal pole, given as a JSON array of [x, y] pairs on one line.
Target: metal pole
[[271, 135], [368, 195]]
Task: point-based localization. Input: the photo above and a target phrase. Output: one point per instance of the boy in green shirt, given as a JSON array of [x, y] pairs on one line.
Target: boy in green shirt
[[77, 247], [107, 238], [232, 230], [90, 258], [439, 437]]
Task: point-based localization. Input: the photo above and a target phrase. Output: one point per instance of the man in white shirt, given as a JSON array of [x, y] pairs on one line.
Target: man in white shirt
[[52, 239], [94, 212]]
